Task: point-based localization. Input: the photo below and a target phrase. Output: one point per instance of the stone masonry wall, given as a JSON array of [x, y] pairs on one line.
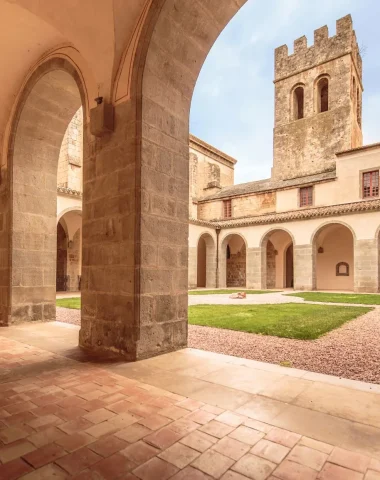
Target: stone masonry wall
[[271, 265], [236, 269]]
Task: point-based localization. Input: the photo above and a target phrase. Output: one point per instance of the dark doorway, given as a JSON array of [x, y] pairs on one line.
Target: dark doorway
[[289, 267], [61, 275]]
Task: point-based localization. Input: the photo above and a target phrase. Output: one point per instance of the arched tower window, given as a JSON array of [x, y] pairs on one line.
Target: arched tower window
[[298, 103], [323, 95]]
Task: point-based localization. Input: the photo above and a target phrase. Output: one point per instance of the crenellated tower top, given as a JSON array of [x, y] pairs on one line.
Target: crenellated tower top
[[325, 49], [318, 101]]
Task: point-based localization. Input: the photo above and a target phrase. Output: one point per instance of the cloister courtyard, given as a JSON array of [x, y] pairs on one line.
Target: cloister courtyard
[[123, 236]]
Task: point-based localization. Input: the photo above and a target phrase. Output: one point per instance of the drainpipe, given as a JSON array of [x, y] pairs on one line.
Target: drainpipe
[[217, 230]]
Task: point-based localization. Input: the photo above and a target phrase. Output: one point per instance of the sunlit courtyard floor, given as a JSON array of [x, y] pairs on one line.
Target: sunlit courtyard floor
[[350, 351], [185, 415]]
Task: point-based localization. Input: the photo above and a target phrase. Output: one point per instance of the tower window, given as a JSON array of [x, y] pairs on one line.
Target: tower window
[[298, 103], [227, 209], [306, 196], [371, 184], [358, 107], [323, 95]]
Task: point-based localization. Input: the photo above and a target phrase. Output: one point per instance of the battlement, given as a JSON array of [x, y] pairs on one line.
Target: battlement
[[325, 48]]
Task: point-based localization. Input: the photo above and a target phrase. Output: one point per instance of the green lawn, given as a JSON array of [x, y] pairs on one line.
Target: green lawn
[[301, 321], [226, 291], [69, 302], [364, 299]]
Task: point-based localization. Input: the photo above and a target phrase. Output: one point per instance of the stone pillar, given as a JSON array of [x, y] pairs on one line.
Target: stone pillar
[[304, 271], [366, 269], [254, 270], [210, 263], [193, 267]]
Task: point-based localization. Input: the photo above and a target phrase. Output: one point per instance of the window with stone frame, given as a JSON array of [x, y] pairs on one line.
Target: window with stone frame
[[306, 196], [371, 184], [323, 95], [298, 103], [227, 209]]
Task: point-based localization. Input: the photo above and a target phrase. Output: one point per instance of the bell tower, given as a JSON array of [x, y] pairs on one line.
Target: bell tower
[[318, 102]]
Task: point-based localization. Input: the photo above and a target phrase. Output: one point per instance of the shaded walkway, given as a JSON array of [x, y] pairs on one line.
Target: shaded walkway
[[188, 414]]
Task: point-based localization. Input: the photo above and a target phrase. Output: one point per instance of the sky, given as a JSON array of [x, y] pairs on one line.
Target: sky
[[233, 101]]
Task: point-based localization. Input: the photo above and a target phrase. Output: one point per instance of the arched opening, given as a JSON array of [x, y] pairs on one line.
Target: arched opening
[[206, 262], [61, 271], [333, 250], [289, 267], [298, 103], [69, 252], [233, 262], [49, 102], [277, 260], [323, 95]]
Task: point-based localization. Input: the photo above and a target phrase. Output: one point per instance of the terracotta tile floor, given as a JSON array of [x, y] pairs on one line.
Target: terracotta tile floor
[[64, 418]]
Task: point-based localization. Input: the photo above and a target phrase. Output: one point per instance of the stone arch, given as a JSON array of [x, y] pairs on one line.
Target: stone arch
[[322, 93], [277, 262], [206, 261], [76, 209], [48, 102], [333, 244], [297, 101], [233, 270]]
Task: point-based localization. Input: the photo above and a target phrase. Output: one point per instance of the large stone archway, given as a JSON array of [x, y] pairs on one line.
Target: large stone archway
[[140, 308], [135, 198], [52, 95]]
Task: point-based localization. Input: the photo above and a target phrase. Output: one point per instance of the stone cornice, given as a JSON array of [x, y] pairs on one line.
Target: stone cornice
[[210, 151], [69, 191], [295, 215]]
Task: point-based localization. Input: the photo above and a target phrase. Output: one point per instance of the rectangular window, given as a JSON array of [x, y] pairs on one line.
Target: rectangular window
[[306, 196], [227, 210], [371, 184]]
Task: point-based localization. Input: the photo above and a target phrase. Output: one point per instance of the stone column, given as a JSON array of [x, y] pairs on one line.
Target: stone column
[[193, 267], [366, 269], [254, 268], [210, 264], [304, 271]]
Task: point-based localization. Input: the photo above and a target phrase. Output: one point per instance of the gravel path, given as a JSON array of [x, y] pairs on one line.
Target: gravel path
[[351, 351]]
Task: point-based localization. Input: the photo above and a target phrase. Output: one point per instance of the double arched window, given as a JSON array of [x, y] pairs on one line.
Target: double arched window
[[298, 102]]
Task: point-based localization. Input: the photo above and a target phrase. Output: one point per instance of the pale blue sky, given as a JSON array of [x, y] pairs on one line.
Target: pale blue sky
[[233, 101]]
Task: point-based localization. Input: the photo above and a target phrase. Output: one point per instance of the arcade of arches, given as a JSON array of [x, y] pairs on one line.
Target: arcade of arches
[[141, 64]]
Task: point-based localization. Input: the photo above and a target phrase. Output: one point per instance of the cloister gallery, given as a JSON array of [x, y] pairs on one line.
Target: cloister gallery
[[103, 190]]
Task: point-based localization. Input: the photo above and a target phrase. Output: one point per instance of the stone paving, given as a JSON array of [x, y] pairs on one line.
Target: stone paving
[[64, 415]]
